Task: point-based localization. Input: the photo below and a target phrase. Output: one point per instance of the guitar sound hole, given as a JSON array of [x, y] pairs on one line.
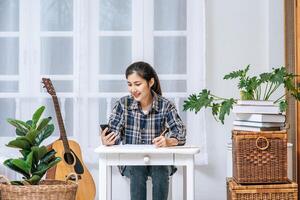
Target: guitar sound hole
[[69, 158]]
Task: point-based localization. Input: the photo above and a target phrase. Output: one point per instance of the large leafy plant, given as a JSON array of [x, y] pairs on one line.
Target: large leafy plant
[[36, 158], [260, 87]]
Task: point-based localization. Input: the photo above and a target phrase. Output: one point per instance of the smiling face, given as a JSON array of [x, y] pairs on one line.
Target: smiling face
[[139, 88]]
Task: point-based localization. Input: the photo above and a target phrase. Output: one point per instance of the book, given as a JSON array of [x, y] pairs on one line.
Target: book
[[260, 117], [256, 109], [250, 128], [255, 102], [258, 124]]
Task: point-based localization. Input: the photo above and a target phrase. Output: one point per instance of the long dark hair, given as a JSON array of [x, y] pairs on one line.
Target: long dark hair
[[145, 71]]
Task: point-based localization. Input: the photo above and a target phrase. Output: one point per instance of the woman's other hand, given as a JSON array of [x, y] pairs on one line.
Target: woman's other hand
[[109, 139], [162, 141]]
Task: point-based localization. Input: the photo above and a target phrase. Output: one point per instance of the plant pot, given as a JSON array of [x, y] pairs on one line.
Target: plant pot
[[246, 96]]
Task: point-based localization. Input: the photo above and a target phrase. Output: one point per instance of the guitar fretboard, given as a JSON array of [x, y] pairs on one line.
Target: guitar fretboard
[[63, 135]]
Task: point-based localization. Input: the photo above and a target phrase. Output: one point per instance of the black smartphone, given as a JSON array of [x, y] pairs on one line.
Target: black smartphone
[[104, 126]]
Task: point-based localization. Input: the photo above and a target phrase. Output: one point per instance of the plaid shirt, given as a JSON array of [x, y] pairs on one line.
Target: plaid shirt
[[132, 126]]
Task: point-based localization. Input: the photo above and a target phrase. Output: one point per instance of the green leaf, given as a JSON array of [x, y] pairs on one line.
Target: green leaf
[[37, 115], [16, 183], [278, 75], [289, 85], [265, 77], [29, 160], [16, 123], [29, 122], [205, 99], [283, 105], [43, 123], [42, 152], [254, 82], [21, 164], [34, 180], [20, 143], [35, 151], [10, 165], [54, 162], [237, 74], [25, 152], [50, 154], [196, 103], [22, 124], [38, 153], [296, 95], [46, 132], [31, 136], [20, 132], [190, 103], [44, 167], [215, 109], [225, 108], [248, 85]]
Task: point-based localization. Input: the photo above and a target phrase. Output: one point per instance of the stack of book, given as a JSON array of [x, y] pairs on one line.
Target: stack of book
[[258, 116]]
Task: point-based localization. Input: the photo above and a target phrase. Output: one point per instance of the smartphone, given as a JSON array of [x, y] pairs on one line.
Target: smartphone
[[104, 126]]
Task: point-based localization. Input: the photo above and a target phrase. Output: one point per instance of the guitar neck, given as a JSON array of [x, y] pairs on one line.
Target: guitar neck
[[62, 130]]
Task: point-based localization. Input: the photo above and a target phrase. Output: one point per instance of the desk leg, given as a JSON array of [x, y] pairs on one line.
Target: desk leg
[[102, 192], [188, 162], [109, 182], [190, 184]]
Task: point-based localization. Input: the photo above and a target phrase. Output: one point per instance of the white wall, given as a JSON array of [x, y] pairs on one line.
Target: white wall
[[238, 33]]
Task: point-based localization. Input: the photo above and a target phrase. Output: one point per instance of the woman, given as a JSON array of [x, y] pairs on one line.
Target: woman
[[140, 118]]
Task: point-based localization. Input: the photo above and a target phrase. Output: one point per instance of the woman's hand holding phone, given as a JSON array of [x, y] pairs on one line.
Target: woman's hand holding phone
[[108, 138]]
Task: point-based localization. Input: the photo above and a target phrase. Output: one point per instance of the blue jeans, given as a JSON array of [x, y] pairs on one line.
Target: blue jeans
[[138, 176]]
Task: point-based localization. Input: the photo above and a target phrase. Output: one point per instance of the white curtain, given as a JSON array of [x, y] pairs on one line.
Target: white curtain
[[9, 58], [85, 47]]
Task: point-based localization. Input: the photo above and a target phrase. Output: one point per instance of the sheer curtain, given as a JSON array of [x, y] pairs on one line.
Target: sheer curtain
[[119, 31], [9, 58], [159, 32], [85, 47]]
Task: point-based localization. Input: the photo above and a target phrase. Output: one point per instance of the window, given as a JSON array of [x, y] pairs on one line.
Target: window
[[85, 47]]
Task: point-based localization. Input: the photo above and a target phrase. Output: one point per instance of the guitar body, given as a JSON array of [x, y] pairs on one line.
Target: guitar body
[[86, 186]]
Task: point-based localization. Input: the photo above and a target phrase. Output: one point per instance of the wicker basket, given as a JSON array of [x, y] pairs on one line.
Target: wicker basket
[[237, 191], [259, 157], [46, 190]]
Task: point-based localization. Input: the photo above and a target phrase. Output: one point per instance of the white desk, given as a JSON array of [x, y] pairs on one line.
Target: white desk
[[144, 155]]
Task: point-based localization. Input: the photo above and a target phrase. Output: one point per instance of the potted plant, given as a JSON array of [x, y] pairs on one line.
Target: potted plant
[[260, 87], [34, 162]]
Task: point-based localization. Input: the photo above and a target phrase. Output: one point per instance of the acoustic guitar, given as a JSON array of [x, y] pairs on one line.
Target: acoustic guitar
[[70, 153]]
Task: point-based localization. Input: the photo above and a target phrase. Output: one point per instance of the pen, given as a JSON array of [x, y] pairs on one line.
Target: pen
[[164, 132]]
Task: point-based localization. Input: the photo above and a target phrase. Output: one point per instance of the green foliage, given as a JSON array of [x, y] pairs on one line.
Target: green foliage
[[36, 159], [220, 106], [283, 105], [260, 87], [196, 102]]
